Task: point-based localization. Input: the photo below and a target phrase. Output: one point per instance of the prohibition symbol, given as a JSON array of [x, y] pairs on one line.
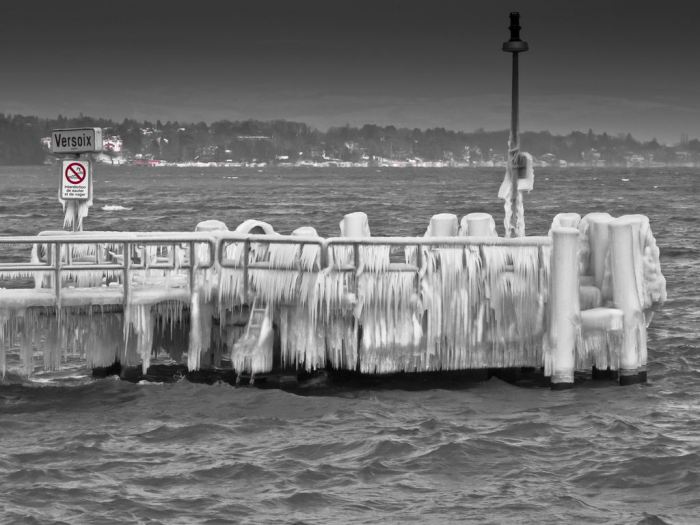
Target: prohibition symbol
[[75, 173], [75, 179]]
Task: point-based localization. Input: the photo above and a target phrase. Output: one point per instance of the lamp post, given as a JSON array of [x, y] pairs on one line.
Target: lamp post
[[514, 46]]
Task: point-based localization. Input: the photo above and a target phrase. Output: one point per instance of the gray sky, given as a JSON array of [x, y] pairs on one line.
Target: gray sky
[[613, 66]]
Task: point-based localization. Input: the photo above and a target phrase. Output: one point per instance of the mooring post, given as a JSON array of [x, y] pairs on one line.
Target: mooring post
[[625, 256], [564, 301], [599, 242], [478, 224], [514, 46]]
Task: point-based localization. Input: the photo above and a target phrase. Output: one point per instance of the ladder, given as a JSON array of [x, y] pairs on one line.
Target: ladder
[[257, 316], [246, 344]]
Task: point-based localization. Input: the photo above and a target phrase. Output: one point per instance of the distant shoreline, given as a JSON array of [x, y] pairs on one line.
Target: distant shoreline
[[350, 165]]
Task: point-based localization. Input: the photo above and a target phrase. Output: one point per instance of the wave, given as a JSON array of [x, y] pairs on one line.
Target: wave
[[115, 207]]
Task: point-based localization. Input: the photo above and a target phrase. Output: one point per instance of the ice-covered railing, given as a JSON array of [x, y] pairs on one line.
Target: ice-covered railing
[[454, 303], [124, 258], [149, 277]]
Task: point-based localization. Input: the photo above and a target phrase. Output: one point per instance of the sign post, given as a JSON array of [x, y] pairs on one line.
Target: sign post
[[75, 190]]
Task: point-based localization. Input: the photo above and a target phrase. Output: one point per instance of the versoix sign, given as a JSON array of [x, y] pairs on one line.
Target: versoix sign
[[76, 140]]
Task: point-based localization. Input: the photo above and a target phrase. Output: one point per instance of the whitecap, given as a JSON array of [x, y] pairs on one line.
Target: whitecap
[[115, 207], [625, 180]]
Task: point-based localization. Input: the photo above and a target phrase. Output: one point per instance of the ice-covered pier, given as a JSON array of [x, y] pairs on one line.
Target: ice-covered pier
[[253, 302]]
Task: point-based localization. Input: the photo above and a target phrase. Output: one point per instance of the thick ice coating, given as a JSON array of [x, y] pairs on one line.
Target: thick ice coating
[[467, 299]]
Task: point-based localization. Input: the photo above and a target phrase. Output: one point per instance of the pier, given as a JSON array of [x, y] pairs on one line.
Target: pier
[[248, 303]]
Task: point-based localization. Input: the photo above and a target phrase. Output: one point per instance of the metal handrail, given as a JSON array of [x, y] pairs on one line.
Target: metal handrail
[[128, 240], [247, 239], [324, 243], [224, 240], [440, 241]]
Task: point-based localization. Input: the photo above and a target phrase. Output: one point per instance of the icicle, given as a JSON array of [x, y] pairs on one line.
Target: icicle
[[106, 339], [303, 342], [75, 210], [516, 302], [275, 286], [138, 323], [505, 192], [284, 256], [231, 288], [389, 342], [654, 283]]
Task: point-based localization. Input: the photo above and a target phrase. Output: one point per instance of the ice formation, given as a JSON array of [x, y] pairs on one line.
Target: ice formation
[[475, 302], [478, 224], [505, 191], [75, 210]]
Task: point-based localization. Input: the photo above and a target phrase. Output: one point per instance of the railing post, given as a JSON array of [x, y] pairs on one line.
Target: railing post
[[191, 268], [213, 252], [246, 256], [419, 264], [356, 263], [324, 254], [57, 273], [125, 268]]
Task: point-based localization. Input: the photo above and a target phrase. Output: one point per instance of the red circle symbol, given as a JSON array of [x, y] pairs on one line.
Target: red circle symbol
[[75, 173]]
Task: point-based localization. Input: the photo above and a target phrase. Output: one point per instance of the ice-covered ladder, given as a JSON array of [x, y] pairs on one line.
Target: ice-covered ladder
[[247, 344], [255, 322]]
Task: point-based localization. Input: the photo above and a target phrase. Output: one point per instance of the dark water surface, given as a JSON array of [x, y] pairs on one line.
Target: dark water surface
[[106, 451]]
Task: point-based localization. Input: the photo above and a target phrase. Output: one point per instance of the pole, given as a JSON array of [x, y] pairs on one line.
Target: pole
[[514, 46], [514, 135]]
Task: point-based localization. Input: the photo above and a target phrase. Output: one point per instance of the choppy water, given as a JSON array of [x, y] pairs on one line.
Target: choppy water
[[107, 451]]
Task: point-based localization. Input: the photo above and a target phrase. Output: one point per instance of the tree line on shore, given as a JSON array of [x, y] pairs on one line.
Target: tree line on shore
[[281, 140]]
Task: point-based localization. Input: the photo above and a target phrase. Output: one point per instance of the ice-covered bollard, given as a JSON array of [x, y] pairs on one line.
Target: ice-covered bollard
[[355, 225], [442, 225], [598, 232], [564, 303], [211, 225], [566, 220], [478, 225], [627, 294], [305, 231]]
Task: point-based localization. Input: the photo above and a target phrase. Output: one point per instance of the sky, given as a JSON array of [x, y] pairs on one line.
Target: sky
[[613, 66]]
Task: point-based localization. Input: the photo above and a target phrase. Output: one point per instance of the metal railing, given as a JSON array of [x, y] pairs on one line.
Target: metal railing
[[327, 244], [60, 258]]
